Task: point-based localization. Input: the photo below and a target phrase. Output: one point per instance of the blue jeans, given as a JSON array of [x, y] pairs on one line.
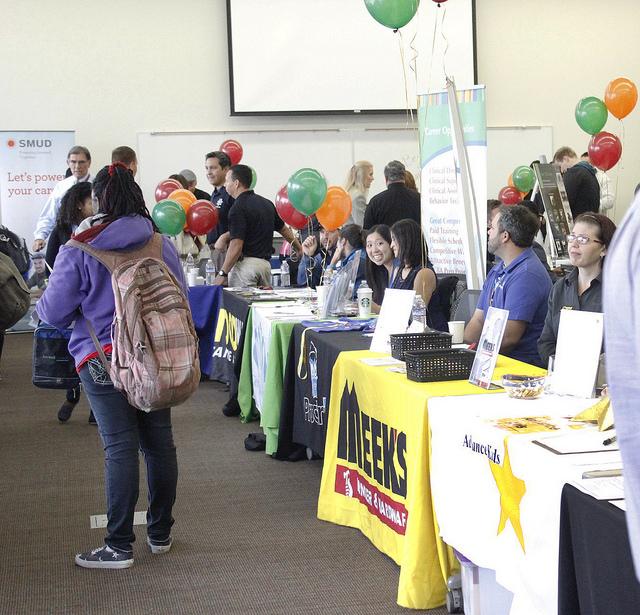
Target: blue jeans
[[124, 430]]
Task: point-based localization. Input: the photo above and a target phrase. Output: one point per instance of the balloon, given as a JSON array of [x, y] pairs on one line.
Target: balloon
[[169, 217], [165, 188], [307, 189], [233, 149], [605, 150], [202, 217], [183, 196], [591, 114], [254, 178], [509, 195], [336, 208], [392, 13], [287, 212], [523, 178], [510, 180], [621, 97]]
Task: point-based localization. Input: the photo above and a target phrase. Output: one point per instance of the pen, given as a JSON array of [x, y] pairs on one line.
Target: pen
[[610, 440], [602, 473]]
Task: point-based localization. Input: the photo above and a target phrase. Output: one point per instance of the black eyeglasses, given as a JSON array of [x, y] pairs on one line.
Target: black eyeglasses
[[583, 240]]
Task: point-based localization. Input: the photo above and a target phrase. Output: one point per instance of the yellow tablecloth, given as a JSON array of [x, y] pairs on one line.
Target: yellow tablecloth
[[376, 468]]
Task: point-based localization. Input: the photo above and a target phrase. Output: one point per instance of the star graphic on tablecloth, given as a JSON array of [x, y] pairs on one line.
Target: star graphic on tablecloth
[[511, 489]]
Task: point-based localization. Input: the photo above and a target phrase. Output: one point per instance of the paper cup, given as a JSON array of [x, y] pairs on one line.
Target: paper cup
[[192, 278], [456, 328], [364, 302]]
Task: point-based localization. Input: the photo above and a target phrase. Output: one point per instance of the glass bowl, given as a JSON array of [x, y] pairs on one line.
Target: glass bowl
[[520, 386]]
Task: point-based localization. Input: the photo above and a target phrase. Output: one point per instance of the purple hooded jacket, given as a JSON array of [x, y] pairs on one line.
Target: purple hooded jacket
[[80, 285]]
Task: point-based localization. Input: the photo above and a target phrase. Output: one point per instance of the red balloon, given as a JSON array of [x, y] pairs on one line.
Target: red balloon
[[202, 217], [165, 188], [288, 212], [233, 149], [605, 150], [509, 195]]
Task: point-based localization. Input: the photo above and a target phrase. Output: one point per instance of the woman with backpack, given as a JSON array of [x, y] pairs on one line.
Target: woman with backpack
[[80, 290], [76, 205]]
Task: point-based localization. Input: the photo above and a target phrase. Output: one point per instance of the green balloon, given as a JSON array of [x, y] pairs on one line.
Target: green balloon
[[591, 114], [392, 13], [169, 217], [523, 178], [254, 178], [307, 189]]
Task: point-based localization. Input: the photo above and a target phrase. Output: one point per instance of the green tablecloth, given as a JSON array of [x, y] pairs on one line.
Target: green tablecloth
[[269, 414]]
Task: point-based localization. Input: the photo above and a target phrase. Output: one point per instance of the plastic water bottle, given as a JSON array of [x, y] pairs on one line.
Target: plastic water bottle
[[285, 276], [419, 311], [210, 272], [189, 262]]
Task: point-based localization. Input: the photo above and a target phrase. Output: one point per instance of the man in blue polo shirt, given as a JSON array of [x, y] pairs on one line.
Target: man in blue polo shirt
[[518, 283]]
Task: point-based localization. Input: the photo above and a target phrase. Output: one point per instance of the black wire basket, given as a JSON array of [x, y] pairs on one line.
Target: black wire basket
[[401, 343], [438, 365]]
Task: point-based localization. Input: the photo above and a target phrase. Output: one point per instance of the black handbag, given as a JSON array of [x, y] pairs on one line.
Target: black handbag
[[53, 366]]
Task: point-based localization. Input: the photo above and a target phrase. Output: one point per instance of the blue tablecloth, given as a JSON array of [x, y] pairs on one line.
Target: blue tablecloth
[[205, 302]]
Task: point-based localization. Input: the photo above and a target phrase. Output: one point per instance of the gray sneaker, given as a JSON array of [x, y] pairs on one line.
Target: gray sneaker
[[105, 557], [160, 546]]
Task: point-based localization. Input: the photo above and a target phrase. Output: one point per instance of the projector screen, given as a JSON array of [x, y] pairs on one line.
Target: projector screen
[[331, 56]]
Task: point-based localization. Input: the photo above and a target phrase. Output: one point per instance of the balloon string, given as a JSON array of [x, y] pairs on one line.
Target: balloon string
[[446, 43], [404, 80], [309, 268], [433, 52]]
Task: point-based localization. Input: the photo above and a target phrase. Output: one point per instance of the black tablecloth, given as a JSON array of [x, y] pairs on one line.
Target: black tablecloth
[[229, 339], [305, 399], [595, 569]]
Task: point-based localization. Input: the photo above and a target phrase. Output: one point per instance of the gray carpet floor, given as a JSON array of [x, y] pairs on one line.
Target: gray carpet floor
[[247, 539]]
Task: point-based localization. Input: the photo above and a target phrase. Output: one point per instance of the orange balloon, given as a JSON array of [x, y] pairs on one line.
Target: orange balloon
[[185, 197], [621, 97], [335, 209], [510, 181]]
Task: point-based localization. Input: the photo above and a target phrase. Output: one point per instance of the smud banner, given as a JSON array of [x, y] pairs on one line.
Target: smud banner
[[31, 164], [376, 477], [442, 203]]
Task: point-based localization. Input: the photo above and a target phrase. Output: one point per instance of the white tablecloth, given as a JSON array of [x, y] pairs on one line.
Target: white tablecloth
[[467, 501], [264, 315]]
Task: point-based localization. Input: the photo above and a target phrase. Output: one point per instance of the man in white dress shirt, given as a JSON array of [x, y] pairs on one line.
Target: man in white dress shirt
[[79, 161]]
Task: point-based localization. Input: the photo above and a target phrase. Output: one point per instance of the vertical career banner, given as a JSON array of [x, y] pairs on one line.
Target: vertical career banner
[[31, 164], [442, 205]]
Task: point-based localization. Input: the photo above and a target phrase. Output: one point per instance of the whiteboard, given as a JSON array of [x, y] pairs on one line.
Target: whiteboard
[[277, 154], [310, 56]]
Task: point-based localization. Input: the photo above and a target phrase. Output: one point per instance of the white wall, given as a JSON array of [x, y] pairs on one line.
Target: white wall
[[112, 69]]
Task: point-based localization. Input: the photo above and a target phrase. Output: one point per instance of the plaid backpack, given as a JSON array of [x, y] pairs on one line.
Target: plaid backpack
[[155, 347]]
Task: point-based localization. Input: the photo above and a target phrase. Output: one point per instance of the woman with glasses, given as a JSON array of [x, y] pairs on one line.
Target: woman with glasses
[[581, 289]]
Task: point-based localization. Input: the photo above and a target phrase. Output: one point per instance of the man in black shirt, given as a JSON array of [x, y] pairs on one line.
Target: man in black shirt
[[397, 202], [580, 181], [216, 166], [252, 221]]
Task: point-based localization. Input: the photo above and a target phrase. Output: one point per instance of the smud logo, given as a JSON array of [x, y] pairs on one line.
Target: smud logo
[[11, 143]]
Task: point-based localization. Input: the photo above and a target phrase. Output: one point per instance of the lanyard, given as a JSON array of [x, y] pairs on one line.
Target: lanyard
[[496, 285]]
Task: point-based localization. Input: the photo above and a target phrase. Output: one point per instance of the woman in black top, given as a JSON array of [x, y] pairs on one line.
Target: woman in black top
[[76, 205], [379, 262], [581, 289], [412, 271]]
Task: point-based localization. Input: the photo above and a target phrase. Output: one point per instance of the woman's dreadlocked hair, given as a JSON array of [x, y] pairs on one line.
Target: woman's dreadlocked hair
[[118, 194]]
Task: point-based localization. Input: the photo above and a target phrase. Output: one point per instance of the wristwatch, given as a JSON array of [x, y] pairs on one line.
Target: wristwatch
[[222, 273]]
